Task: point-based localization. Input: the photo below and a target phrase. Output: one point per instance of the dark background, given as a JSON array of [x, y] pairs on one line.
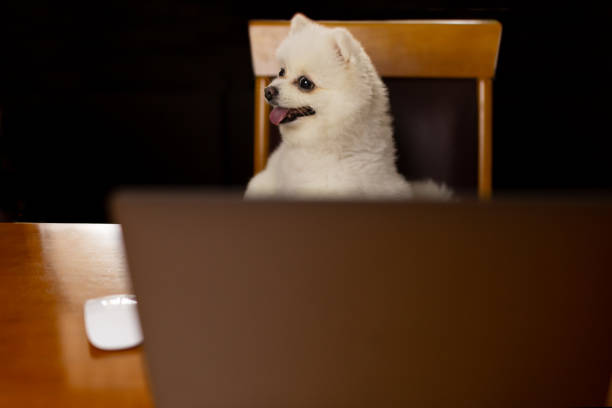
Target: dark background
[[93, 97]]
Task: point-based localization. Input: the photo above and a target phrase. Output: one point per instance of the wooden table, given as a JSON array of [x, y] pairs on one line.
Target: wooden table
[[47, 271]]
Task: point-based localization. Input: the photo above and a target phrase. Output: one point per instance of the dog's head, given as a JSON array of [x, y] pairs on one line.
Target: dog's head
[[321, 75]]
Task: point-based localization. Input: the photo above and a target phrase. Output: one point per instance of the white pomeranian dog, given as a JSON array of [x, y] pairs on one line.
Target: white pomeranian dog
[[332, 109]]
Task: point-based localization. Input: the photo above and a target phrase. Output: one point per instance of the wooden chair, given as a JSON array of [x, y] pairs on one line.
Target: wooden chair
[[398, 49]]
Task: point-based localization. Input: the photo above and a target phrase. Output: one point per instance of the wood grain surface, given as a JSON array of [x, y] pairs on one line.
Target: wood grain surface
[[47, 271]]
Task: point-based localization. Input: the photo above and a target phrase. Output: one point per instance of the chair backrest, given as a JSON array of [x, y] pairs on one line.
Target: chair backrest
[[398, 49]]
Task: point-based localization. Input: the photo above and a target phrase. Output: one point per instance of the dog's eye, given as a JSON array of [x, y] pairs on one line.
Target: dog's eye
[[305, 83], [282, 72]]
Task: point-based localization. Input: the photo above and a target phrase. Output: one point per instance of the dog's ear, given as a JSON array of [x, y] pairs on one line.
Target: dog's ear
[[344, 43], [298, 22]]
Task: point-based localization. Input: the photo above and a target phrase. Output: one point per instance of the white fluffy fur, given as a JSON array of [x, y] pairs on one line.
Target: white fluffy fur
[[346, 149]]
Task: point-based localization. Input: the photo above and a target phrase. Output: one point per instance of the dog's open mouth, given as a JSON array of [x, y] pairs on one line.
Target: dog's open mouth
[[285, 115]]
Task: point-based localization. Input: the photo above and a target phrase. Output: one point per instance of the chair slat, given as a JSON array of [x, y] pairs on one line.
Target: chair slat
[[406, 48]]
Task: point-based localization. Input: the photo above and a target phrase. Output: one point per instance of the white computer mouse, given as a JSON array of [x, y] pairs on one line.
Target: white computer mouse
[[112, 323]]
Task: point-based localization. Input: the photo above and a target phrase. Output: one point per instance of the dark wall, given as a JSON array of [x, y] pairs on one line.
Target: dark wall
[[160, 92]]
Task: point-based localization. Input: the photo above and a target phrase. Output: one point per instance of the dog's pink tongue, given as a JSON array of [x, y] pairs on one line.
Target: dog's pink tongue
[[278, 114]]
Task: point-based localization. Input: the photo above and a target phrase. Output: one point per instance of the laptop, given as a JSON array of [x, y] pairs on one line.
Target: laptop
[[371, 304]]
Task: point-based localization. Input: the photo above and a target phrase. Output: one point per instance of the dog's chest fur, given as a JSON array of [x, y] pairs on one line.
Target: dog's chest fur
[[303, 167], [304, 171]]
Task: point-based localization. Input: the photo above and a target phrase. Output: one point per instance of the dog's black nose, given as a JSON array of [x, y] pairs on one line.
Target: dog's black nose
[[270, 92]]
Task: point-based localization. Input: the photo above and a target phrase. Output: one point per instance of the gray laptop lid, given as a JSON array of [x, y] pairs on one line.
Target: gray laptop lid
[[330, 304]]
